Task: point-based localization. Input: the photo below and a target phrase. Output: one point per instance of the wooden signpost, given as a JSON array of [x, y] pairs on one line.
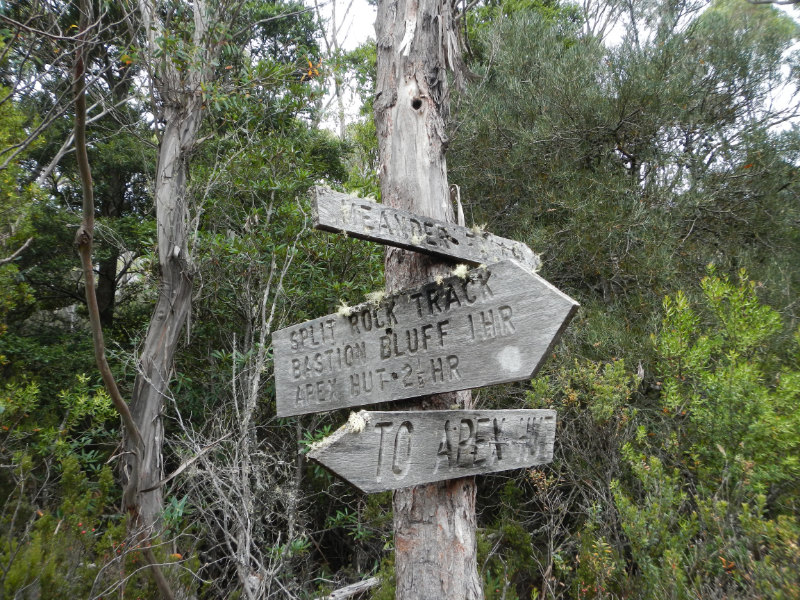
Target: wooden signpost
[[367, 220], [494, 324], [377, 451]]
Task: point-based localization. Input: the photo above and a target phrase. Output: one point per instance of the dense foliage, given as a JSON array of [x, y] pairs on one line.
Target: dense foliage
[[657, 167], [657, 174]]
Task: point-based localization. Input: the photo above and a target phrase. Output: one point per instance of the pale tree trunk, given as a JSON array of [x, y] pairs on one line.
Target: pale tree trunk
[[172, 307], [338, 84], [434, 525], [177, 99]]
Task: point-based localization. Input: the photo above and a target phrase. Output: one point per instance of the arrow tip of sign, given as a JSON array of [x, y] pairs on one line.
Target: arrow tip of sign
[[575, 304]]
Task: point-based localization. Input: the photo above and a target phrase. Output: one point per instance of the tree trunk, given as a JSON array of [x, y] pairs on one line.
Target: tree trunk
[[83, 241], [174, 299], [107, 287], [178, 95], [434, 525], [112, 208]]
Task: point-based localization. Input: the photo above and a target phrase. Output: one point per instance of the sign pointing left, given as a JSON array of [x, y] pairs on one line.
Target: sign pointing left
[[378, 451]]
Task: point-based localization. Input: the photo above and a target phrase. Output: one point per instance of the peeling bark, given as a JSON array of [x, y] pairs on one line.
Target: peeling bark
[[178, 103], [173, 304], [435, 550]]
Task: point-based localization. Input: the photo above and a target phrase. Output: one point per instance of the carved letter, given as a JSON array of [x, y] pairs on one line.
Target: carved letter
[[381, 426], [466, 443], [400, 465]]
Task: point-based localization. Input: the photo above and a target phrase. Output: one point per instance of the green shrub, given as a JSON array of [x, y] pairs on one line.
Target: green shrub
[[716, 515]]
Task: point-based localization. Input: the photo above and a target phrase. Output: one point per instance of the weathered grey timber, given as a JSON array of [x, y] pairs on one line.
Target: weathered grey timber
[[354, 589], [367, 220], [493, 325], [417, 40], [378, 451]]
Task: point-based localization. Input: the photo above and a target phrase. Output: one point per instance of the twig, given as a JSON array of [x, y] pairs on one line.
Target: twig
[[19, 251], [353, 589], [185, 465]]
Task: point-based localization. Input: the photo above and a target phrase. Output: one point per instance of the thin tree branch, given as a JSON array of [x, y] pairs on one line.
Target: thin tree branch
[[83, 240], [273, 18], [80, 37], [185, 465], [19, 251], [469, 6]]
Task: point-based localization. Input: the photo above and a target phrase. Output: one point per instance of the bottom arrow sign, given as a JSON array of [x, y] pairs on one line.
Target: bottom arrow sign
[[377, 451]]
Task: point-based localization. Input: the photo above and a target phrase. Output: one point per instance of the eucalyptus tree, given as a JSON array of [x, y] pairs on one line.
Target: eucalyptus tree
[[435, 524], [182, 54], [240, 75]]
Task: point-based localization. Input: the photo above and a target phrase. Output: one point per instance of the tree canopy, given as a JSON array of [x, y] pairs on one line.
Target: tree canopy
[[649, 151]]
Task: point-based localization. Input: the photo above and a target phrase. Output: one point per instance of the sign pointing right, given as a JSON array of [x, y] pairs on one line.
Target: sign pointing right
[[491, 325]]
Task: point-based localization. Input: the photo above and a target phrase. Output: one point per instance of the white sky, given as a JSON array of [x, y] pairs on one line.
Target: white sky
[[356, 23], [359, 23]]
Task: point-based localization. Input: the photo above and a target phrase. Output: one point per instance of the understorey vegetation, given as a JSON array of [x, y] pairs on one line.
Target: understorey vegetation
[[649, 152]]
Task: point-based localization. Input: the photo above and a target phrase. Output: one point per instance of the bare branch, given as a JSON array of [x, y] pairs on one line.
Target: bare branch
[[274, 18], [467, 8], [186, 464], [46, 34], [19, 251], [359, 587]]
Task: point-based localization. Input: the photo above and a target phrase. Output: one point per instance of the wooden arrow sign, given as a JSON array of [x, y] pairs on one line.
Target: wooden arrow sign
[[367, 220], [377, 451], [493, 325]]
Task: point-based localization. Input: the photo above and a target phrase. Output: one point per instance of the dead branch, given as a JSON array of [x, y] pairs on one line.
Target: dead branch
[[186, 464], [19, 251], [354, 589]]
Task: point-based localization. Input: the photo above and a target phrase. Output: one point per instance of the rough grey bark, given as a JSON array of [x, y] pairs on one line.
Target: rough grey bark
[[173, 304], [434, 525], [177, 95]]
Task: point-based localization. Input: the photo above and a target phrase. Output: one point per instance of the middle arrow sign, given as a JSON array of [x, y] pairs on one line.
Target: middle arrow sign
[[493, 325]]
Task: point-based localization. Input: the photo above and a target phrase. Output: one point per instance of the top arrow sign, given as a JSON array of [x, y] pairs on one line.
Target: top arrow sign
[[367, 220], [494, 325]]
